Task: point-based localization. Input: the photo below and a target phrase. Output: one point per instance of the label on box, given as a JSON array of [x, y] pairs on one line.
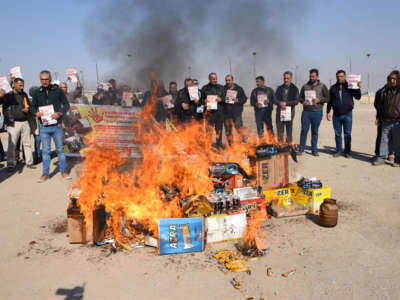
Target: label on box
[[180, 235], [252, 205], [225, 227]]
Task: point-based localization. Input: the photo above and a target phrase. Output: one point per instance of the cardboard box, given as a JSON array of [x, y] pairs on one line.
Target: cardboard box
[[282, 195], [271, 172], [311, 197], [225, 227], [251, 205], [235, 181], [180, 235]]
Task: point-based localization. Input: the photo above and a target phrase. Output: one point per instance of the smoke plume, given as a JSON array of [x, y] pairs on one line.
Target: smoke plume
[[182, 38]]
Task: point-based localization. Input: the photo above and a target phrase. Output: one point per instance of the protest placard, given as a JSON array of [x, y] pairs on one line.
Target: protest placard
[[231, 95], [167, 101], [286, 114], [193, 92], [4, 84], [262, 99], [212, 103], [15, 72], [309, 96], [127, 99], [353, 80], [47, 112], [71, 74]]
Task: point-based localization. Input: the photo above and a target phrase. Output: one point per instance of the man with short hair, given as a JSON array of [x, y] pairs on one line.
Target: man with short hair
[[262, 99], [313, 95], [16, 110], [341, 100], [76, 96], [173, 90], [388, 112], [286, 98], [187, 108], [235, 98], [112, 93], [212, 97], [53, 98]]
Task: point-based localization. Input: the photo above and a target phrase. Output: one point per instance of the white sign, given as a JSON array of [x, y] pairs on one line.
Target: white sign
[[262, 99], [231, 95], [167, 101], [105, 86], [200, 109], [127, 98], [225, 227], [47, 112], [212, 103], [193, 92], [4, 84], [15, 72], [353, 80], [71, 74], [310, 95], [286, 114]]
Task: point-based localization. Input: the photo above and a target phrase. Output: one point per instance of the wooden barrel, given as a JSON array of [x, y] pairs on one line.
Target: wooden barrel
[[328, 213]]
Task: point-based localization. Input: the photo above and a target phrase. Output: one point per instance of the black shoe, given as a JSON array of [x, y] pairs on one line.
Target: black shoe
[[337, 154], [30, 166], [315, 153], [299, 153], [347, 155], [10, 169]]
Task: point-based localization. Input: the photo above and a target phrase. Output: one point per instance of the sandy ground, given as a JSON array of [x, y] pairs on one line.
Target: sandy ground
[[358, 259]]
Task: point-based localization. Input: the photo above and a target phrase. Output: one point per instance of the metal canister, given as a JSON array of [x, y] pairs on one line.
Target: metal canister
[[328, 213]]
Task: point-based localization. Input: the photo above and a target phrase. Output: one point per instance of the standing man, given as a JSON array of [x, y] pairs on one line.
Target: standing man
[[51, 99], [2, 153], [286, 99], [212, 97], [262, 99], [173, 90], [76, 96], [313, 95], [16, 110], [235, 98], [341, 100], [388, 112]]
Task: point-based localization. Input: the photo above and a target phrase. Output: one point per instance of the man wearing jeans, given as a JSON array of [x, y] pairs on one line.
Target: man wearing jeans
[[341, 100], [388, 114], [313, 95], [49, 104]]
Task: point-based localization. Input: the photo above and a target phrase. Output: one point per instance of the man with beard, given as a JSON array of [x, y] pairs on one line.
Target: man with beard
[[262, 98], [388, 112], [313, 95], [286, 98], [235, 98], [341, 100], [212, 97]]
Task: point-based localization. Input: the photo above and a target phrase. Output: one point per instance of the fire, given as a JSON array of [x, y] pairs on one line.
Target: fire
[[253, 237], [174, 165]]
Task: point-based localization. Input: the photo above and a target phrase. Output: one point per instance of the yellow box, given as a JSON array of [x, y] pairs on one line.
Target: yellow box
[[281, 195], [311, 197]]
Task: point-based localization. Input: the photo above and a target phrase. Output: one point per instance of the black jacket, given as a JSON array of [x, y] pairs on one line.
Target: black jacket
[[265, 90], [216, 89], [389, 105], [55, 96], [344, 104], [186, 115], [377, 100], [12, 110], [236, 108], [292, 98]]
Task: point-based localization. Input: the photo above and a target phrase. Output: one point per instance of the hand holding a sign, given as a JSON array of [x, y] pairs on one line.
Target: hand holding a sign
[[329, 117], [185, 106], [282, 104], [56, 115], [219, 99], [2, 93], [359, 84], [316, 101]]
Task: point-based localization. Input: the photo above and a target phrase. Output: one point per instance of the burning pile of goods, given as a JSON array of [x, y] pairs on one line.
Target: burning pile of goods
[[183, 193]]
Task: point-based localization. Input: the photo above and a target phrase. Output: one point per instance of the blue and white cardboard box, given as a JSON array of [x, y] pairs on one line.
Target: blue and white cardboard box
[[180, 235]]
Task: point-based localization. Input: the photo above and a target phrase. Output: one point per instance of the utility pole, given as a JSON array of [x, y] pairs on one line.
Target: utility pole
[[350, 64], [230, 66], [254, 64], [295, 74], [97, 73], [368, 77], [190, 71]]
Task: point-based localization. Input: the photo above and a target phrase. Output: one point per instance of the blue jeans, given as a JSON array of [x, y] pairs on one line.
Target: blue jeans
[[37, 155], [314, 119], [263, 116], [57, 133], [343, 121], [390, 131]]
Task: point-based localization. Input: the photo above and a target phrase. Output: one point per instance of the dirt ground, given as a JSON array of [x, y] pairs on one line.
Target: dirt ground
[[357, 259]]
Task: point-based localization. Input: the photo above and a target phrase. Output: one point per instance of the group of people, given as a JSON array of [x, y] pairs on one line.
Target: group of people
[[221, 106]]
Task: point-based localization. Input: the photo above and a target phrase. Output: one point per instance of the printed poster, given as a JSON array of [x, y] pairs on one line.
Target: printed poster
[[353, 80], [47, 112], [309, 96], [262, 99], [15, 72], [193, 92], [4, 84], [127, 99], [286, 114], [167, 101], [212, 103], [231, 95]]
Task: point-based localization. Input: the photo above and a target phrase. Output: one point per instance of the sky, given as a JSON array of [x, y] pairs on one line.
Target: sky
[[49, 35]]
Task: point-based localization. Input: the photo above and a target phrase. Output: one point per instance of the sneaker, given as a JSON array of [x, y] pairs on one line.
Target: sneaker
[[337, 154], [66, 176], [30, 166], [43, 178], [391, 158], [315, 153], [347, 155], [378, 163]]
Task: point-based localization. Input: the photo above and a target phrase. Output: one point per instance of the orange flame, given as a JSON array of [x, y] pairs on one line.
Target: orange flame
[[253, 236]]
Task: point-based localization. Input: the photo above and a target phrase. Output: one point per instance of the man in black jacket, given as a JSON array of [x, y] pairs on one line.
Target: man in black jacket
[[16, 110], [188, 108], [388, 112], [235, 98], [49, 104], [262, 99], [286, 98], [212, 96], [341, 100]]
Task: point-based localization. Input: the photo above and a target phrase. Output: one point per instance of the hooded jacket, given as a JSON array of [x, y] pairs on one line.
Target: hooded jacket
[[342, 103]]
